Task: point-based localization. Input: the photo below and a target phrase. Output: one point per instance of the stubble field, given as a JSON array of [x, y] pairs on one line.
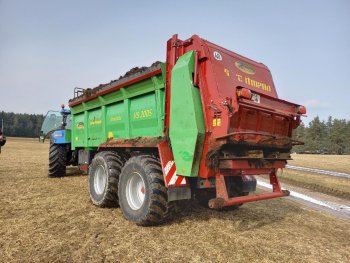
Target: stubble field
[[53, 220], [331, 185], [337, 163]]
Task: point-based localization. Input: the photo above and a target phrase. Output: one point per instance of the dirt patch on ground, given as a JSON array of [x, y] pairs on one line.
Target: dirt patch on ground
[[53, 220]]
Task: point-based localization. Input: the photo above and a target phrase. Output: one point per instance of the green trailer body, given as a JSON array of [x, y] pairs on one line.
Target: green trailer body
[[138, 110], [129, 112]]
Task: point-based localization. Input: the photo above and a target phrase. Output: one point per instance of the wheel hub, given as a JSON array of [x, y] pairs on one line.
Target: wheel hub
[[135, 191], [100, 179]]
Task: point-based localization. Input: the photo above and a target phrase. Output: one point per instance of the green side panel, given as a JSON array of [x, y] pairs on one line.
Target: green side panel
[[116, 120], [187, 129], [133, 111], [143, 116], [78, 130], [94, 126]]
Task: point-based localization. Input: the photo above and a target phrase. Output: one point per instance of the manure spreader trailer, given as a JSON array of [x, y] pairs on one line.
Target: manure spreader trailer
[[200, 125]]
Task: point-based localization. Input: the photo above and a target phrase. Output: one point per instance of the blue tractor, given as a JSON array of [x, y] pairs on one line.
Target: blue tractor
[[56, 125]]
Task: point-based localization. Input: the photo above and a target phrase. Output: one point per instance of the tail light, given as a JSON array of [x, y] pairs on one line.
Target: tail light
[[244, 93], [301, 110]]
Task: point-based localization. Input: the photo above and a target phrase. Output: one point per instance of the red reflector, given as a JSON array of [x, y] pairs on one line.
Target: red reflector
[[244, 93], [301, 110], [57, 135]]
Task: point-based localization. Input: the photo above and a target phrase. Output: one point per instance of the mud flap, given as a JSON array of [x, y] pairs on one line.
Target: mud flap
[[179, 193], [187, 128]]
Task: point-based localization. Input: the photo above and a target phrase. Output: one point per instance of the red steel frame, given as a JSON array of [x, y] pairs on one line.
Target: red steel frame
[[223, 200], [205, 78]]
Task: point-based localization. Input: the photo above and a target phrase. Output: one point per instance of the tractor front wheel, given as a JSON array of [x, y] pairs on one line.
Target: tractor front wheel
[[57, 160]]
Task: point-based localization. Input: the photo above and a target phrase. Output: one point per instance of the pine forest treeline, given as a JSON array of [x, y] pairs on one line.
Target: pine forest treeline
[[21, 124], [324, 137]]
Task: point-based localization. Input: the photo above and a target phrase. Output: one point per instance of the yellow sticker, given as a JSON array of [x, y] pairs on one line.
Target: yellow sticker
[[227, 72], [116, 118], [80, 125], [110, 135], [95, 122], [216, 122]]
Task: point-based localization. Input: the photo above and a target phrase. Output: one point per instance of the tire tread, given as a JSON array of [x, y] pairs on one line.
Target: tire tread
[[57, 160], [114, 162], [159, 209]]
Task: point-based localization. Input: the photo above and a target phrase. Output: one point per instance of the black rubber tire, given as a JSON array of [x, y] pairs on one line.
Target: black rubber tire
[[57, 160], [155, 208], [112, 164]]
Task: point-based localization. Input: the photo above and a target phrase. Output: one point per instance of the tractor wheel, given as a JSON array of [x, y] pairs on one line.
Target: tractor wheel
[[57, 160], [143, 196], [103, 179]]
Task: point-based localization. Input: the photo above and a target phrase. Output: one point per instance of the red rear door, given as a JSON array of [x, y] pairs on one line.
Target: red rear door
[[257, 115]]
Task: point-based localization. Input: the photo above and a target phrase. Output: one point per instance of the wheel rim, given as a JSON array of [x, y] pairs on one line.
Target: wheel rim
[[100, 179], [135, 191]]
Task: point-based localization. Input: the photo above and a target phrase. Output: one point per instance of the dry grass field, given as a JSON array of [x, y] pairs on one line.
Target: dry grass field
[[338, 163], [332, 185], [53, 220], [336, 186]]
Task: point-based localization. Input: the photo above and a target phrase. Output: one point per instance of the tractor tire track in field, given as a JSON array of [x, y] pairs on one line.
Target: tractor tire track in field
[[318, 171], [319, 201], [316, 187]]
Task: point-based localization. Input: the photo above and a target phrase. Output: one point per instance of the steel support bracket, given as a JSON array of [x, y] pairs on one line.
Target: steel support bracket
[[222, 198]]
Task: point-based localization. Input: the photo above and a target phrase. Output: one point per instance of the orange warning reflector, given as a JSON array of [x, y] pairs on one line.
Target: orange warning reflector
[[244, 93], [301, 110]]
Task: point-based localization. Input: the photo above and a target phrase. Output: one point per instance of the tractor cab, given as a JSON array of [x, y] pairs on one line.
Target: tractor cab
[[55, 121]]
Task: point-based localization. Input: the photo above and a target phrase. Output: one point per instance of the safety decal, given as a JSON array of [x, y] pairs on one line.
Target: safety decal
[[216, 122], [217, 55], [227, 72], [170, 175], [244, 67]]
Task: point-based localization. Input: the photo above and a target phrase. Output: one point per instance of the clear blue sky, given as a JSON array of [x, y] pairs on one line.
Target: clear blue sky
[[49, 47]]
